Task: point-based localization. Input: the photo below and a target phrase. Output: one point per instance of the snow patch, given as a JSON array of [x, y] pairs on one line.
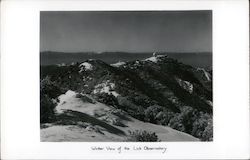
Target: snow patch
[[83, 103], [85, 66], [106, 87], [67, 95], [186, 85], [118, 64], [206, 74], [114, 93], [61, 65], [154, 58], [209, 102], [64, 98]]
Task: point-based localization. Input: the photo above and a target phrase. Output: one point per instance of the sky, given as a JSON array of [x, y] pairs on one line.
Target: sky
[[128, 31]]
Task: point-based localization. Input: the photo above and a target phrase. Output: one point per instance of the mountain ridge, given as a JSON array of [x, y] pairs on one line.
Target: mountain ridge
[[197, 59], [158, 89]]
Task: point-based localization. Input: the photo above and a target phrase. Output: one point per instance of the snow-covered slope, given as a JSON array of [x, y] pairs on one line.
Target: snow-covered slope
[[85, 119], [155, 58], [118, 64], [85, 66]]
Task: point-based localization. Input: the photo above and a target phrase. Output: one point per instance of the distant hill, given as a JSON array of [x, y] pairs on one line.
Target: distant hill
[[201, 59]]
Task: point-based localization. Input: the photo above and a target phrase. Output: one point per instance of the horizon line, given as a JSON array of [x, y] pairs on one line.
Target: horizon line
[[100, 52]]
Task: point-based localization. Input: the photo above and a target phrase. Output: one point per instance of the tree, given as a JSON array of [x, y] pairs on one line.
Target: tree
[[207, 134], [152, 112], [49, 88], [165, 117], [49, 92], [202, 127], [142, 136], [108, 99], [46, 109], [176, 122]]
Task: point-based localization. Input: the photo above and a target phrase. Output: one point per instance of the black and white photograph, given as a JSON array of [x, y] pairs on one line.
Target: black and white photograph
[[126, 76], [121, 79]]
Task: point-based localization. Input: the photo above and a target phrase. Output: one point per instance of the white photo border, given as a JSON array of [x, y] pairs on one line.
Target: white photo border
[[20, 126]]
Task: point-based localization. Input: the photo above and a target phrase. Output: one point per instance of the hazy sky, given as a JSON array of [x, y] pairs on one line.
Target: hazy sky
[[71, 31]]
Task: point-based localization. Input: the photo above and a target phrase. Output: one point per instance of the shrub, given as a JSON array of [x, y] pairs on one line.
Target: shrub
[[141, 100], [108, 99], [126, 103], [152, 112], [207, 134], [176, 122], [203, 127], [49, 92], [198, 124], [138, 113], [189, 115], [47, 107], [142, 136], [165, 117], [48, 87]]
